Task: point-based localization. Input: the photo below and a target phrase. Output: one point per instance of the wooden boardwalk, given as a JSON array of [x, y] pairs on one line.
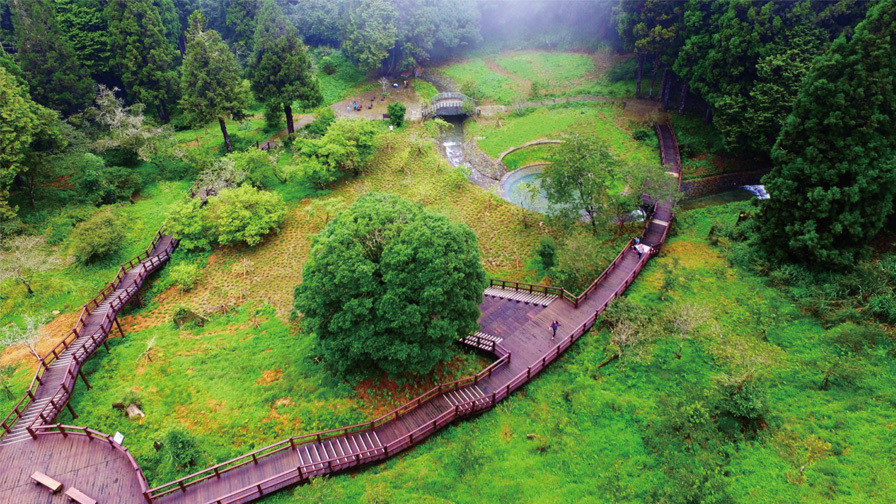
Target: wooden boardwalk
[[514, 324]]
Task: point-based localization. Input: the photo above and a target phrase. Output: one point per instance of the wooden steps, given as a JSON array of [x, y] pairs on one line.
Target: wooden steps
[[520, 296]]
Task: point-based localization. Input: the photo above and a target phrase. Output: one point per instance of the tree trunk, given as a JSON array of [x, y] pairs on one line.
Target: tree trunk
[[667, 87], [685, 89], [226, 136], [609, 360], [640, 73], [707, 116], [27, 286], [290, 126], [656, 68]]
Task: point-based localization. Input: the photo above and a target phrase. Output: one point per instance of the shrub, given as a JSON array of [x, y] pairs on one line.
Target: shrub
[[185, 222], [95, 238], [180, 448], [184, 275], [396, 114], [328, 66], [255, 163], [323, 118], [244, 214], [103, 185]]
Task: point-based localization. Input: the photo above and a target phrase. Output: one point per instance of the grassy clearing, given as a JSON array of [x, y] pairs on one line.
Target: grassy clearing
[[425, 89], [347, 81], [486, 83], [529, 155], [588, 118], [580, 434]]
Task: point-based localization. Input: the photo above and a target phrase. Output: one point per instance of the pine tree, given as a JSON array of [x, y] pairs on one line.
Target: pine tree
[[144, 55], [211, 80], [834, 179], [279, 69], [241, 24], [56, 77], [370, 33]]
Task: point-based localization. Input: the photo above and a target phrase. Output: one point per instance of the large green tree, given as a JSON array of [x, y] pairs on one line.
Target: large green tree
[[240, 23], [144, 55], [279, 69], [23, 125], [84, 23], [55, 75], [390, 286], [652, 28], [211, 80], [580, 178], [834, 179], [370, 33]]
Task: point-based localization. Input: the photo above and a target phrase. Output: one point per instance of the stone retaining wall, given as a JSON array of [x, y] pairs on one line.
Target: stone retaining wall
[[719, 183]]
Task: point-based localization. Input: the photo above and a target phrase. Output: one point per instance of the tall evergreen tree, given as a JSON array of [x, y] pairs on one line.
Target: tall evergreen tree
[[211, 80], [241, 16], [279, 69], [84, 23], [143, 53], [56, 77], [24, 123], [834, 179]]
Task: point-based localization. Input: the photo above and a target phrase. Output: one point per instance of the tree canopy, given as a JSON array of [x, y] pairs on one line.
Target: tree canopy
[[279, 69], [211, 79], [390, 286], [834, 179]]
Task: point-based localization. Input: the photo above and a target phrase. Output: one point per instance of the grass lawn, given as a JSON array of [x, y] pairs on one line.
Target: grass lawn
[[588, 118], [347, 81], [488, 84], [529, 155]]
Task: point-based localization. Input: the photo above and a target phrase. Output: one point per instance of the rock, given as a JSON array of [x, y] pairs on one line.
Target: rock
[[56, 312], [134, 412], [531, 436]]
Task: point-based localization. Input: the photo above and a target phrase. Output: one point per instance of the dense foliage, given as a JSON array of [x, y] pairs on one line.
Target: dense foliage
[[243, 214], [390, 286], [835, 162]]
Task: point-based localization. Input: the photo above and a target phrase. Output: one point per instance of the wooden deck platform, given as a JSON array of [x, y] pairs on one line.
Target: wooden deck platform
[[516, 327]]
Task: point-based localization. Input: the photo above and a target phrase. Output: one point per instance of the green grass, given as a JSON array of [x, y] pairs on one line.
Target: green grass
[[554, 68], [587, 118], [347, 81], [425, 89], [488, 85], [529, 155]]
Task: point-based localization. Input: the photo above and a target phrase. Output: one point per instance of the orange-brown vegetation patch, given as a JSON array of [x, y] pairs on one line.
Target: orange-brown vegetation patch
[[269, 376]]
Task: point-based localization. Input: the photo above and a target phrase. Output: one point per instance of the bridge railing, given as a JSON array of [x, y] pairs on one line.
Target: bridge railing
[[451, 96]]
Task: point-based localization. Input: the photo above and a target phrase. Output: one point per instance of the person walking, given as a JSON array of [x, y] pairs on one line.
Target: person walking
[[554, 325]]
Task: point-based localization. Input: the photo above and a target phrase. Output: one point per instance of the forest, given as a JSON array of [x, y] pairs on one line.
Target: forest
[[336, 193]]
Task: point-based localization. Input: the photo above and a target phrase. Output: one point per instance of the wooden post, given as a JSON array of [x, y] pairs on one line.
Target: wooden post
[[69, 406], [84, 379], [107, 346], [117, 324]]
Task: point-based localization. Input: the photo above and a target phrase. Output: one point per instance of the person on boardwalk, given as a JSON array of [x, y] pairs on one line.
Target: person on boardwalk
[[554, 325]]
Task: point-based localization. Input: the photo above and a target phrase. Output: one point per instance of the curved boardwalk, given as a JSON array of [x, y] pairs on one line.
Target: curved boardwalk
[[514, 327]]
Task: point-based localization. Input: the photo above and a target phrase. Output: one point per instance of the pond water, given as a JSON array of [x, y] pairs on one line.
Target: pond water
[[512, 191]]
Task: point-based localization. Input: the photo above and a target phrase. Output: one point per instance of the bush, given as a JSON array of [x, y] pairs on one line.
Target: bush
[[95, 238], [184, 275], [328, 66], [390, 286], [255, 163], [396, 114], [323, 118], [244, 214], [103, 185], [180, 448]]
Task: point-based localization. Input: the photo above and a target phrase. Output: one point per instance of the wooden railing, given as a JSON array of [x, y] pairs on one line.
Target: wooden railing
[[91, 435], [57, 400], [252, 458], [547, 290], [86, 348]]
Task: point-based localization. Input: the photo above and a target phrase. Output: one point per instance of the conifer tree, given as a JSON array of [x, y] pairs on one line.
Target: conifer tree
[[144, 55], [834, 179], [211, 80], [56, 77], [279, 69]]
